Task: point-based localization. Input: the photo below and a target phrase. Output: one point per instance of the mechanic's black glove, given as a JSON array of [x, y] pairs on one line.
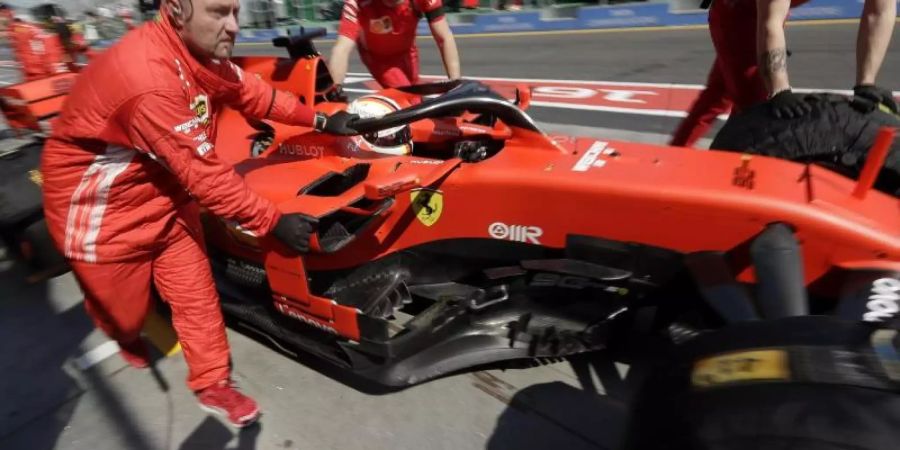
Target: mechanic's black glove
[[338, 123], [336, 94], [788, 105], [866, 97], [293, 230]]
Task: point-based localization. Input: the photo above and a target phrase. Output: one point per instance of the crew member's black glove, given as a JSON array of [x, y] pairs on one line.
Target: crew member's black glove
[[293, 230], [338, 123], [788, 105], [866, 97], [336, 94]]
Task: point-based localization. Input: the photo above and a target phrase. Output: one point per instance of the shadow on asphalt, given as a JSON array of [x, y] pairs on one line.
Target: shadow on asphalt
[[211, 433], [40, 386], [594, 414]]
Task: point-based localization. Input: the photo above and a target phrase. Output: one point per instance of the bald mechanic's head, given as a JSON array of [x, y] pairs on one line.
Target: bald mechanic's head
[[208, 27]]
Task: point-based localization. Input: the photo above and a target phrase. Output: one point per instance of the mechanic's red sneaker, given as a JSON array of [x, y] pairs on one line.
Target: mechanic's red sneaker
[[135, 353], [224, 400]]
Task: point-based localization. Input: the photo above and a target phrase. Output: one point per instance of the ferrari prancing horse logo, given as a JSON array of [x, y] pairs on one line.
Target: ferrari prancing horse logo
[[427, 204]]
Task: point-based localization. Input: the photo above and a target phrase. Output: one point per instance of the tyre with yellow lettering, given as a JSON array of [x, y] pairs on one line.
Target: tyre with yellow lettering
[[814, 382]]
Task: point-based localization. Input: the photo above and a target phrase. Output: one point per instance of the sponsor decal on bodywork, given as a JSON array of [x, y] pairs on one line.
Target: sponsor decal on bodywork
[[517, 233], [743, 174], [301, 150], [591, 157], [290, 312], [428, 204], [434, 162]]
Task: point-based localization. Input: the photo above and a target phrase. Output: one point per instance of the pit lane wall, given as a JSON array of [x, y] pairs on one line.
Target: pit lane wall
[[573, 17]]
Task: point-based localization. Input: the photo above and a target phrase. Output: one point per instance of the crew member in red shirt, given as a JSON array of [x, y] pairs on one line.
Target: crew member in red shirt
[[734, 82], [385, 33]]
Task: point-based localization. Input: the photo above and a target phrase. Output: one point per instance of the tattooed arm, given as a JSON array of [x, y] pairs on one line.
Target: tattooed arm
[[771, 47]]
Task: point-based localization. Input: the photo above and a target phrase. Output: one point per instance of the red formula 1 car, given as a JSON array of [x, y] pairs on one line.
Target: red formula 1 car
[[454, 233]]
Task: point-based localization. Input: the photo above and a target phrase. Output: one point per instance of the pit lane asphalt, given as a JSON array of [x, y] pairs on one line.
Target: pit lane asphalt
[[823, 58], [51, 401]]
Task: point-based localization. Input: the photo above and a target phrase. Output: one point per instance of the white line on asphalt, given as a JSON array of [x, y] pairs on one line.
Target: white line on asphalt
[[587, 82], [646, 112], [614, 83], [97, 354]]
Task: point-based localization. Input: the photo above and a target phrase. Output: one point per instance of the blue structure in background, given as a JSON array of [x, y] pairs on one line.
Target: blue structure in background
[[596, 17]]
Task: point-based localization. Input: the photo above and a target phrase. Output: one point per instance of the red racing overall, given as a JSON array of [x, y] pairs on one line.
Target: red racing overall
[[733, 81], [130, 161]]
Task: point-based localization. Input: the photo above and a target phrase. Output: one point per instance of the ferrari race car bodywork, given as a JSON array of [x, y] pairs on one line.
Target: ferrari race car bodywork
[[493, 241], [28, 107]]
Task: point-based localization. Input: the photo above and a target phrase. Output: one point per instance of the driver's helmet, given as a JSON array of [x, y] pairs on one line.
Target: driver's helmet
[[393, 141]]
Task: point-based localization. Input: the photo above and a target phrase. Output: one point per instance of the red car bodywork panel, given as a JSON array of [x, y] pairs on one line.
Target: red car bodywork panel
[[538, 190]]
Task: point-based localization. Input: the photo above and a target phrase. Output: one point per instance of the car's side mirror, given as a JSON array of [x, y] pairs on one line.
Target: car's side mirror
[[300, 45]]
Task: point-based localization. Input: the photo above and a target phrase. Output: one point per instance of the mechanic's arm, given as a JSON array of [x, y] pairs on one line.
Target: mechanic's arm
[[340, 58], [771, 46], [771, 49], [170, 133], [875, 29], [447, 45], [163, 126], [348, 32], [259, 100]]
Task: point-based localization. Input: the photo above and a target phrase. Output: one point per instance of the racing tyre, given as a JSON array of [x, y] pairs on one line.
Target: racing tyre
[[833, 134], [800, 383]]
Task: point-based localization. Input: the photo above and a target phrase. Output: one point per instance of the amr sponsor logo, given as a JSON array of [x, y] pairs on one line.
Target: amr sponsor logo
[[517, 233]]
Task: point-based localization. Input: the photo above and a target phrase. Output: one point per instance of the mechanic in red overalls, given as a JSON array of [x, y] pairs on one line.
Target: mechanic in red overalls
[[385, 32], [39, 52], [741, 42], [733, 81], [130, 161]]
